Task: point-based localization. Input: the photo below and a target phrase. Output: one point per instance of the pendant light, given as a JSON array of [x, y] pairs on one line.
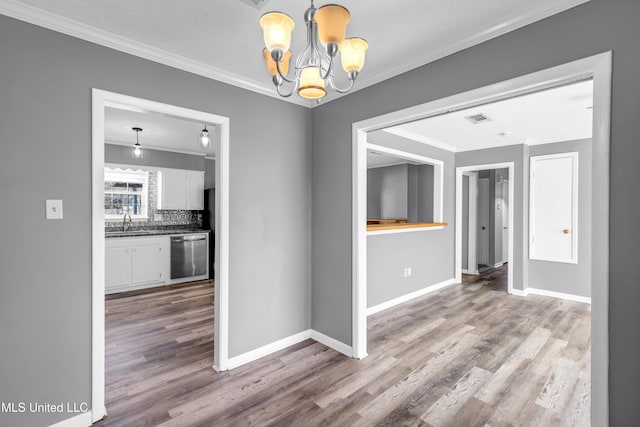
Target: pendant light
[[205, 139], [137, 148]]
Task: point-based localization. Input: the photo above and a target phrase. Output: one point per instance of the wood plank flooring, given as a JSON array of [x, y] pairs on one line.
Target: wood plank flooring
[[468, 355]]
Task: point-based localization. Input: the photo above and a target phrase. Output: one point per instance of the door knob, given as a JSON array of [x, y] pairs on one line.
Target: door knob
[[483, 228], [565, 231]]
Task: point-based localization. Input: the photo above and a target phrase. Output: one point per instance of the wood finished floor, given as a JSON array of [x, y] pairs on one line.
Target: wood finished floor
[[467, 355]]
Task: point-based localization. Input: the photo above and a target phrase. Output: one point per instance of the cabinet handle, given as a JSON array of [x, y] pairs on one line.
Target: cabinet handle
[[565, 231]]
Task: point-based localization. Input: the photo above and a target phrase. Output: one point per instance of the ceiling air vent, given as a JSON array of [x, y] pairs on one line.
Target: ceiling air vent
[[258, 4], [478, 118]]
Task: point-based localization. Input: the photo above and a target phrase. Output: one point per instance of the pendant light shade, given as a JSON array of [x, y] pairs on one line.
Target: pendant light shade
[[352, 53], [271, 64], [277, 28], [205, 139], [311, 84], [137, 152], [332, 20]]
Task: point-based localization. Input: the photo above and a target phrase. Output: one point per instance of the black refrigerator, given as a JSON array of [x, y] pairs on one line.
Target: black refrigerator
[[209, 223]]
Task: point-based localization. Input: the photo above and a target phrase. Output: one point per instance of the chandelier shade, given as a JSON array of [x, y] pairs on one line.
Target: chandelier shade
[[277, 28], [272, 67], [352, 52], [311, 84], [313, 69], [332, 20]]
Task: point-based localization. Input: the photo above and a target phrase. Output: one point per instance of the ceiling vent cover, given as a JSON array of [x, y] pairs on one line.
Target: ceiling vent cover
[[478, 118], [258, 4]]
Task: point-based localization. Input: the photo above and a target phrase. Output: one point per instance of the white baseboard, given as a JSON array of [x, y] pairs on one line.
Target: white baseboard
[[283, 343], [560, 295], [81, 420], [407, 297], [546, 293], [519, 293], [333, 343], [265, 350]]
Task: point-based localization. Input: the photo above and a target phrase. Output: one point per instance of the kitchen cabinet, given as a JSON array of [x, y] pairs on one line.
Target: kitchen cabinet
[[195, 190], [118, 266], [136, 263], [180, 189]]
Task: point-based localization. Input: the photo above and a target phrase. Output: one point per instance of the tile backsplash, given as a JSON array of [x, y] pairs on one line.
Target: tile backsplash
[[167, 219]]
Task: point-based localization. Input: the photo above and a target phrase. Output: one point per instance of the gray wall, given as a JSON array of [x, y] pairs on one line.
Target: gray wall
[[209, 174], [572, 279], [121, 154], [389, 254], [425, 192], [400, 192], [45, 274], [594, 27], [389, 187], [374, 193]]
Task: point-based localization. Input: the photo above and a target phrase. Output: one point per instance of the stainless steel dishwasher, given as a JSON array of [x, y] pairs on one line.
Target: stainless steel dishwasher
[[188, 256]]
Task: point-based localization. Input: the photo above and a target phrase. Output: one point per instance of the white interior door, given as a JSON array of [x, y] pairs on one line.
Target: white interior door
[[553, 208], [483, 221], [505, 220]]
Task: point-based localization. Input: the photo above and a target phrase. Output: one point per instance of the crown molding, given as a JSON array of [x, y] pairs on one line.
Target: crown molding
[[419, 138], [82, 31], [146, 146], [497, 29], [91, 34]]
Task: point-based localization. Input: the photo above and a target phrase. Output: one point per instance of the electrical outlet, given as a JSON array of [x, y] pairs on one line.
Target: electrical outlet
[[406, 272]]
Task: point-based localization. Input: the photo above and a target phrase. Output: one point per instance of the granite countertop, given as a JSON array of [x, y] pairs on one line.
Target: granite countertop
[[162, 232]]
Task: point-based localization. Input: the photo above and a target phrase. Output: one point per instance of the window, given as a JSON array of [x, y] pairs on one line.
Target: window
[[125, 191]]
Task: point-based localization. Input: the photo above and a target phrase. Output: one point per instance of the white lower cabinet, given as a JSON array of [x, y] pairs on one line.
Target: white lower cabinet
[[136, 263], [118, 266]]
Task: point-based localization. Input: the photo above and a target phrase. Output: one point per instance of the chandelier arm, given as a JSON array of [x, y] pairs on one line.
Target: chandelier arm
[[287, 95], [340, 90], [282, 75], [329, 70]]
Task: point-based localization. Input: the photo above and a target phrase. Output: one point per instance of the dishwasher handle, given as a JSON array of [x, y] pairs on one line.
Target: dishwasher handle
[[188, 238]]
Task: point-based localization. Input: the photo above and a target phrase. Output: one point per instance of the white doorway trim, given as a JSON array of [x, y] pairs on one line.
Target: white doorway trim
[[597, 67], [472, 200], [101, 99], [465, 170]]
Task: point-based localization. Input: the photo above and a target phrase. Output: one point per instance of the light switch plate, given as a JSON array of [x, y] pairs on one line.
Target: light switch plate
[[54, 209]]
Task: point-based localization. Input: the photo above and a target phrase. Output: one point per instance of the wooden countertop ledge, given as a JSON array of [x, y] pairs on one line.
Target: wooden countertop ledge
[[402, 225]]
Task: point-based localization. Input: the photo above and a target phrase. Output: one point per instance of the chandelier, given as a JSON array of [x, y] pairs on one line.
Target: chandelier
[[326, 30]]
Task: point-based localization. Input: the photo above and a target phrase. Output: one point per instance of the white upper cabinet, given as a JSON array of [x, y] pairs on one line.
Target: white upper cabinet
[[180, 189], [195, 190]]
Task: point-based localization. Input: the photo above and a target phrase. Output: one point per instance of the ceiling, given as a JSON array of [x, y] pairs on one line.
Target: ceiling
[[376, 160], [560, 114], [221, 39], [159, 131]]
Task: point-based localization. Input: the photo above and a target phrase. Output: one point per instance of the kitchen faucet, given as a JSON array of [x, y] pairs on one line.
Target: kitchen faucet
[[126, 224]]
